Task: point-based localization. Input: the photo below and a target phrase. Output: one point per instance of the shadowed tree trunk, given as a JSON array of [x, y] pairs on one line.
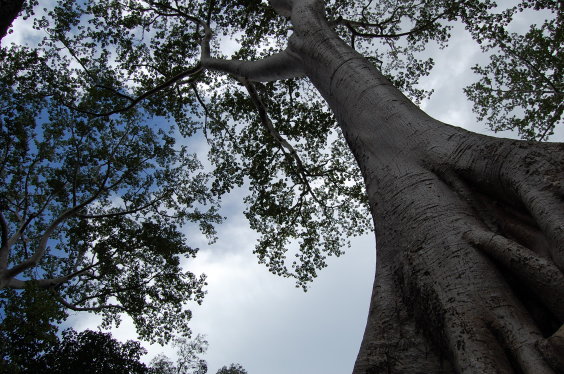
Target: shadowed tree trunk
[[470, 228], [9, 10]]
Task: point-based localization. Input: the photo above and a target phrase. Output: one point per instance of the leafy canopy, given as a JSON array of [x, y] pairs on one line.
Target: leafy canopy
[[31, 345], [94, 352], [232, 369], [91, 208], [522, 86], [188, 360], [28, 328]]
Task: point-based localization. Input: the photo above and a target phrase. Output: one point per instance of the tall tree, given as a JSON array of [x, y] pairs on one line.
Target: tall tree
[[32, 346], [188, 360], [470, 235], [91, 210], [232, 369], [93, 352], [521, 87], [28, 329]]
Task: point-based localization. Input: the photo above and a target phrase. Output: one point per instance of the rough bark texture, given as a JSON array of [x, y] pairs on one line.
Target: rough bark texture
[[9, 10], [470, 228]]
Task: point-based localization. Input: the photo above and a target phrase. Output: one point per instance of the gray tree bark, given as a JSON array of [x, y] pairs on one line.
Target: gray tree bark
[[470, 228]]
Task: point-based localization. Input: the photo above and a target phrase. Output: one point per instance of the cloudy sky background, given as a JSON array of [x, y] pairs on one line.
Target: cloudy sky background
[[262, 321]]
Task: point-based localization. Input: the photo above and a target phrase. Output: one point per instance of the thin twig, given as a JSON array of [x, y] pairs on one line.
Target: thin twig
[[349, 24], [134, 101], [213, 118]]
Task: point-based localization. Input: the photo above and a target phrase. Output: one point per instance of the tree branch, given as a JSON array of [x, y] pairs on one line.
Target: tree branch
[[531, 66], [205, 43], [213, 118], [50, 282], [42, 246], [122, 213], [283, 143], [282, 65], [116, 291], [18, 234], [350, 24], [134, 101], [4, 247], [76, 308], [4, 228], [63, 40]]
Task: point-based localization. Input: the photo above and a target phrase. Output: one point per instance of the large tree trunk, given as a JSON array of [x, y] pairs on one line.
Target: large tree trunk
[[470, 228]]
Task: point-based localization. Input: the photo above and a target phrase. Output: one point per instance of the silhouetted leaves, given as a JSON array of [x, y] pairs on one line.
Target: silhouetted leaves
[[522, 86]]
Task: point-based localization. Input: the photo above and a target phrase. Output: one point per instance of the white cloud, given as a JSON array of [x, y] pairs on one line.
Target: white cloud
[[268, 325]]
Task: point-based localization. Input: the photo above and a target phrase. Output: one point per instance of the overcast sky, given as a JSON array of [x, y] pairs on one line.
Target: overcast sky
[[264, 322]]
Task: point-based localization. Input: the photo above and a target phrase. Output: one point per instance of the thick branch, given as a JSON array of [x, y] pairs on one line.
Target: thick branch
[[283, 65], [282, 7], [4, 247], [42, 246], [50, 282], [18, 284], [4, 228]]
